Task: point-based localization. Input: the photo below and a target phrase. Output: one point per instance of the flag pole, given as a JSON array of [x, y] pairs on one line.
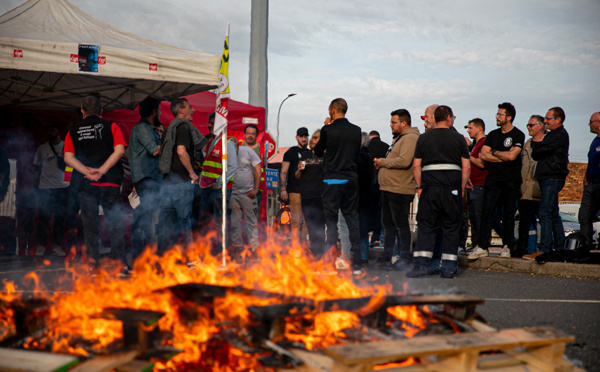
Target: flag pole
[[224, 196]]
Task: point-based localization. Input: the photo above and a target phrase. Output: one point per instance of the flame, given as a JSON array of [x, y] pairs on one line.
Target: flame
[[76, 325]]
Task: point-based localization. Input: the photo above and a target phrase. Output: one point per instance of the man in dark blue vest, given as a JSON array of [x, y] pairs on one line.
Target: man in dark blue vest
[[94, 148]]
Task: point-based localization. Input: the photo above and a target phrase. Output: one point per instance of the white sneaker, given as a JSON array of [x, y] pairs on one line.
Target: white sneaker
[[395, 259], [505, 252], [476, 253], [341, 264], [40, 251]]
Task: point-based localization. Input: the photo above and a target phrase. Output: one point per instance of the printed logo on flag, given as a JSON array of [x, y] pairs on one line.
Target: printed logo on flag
[[153, 67], [18, 53], [101, 60], [74, 58]]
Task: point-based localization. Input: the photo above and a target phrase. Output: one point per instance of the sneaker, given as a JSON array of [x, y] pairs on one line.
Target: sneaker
[[505, 252], [417, 272], [398, 264], [57, 250], [533, 255], [341, 264], [356, 270], [476, 253], [380, 264], [40, 251]]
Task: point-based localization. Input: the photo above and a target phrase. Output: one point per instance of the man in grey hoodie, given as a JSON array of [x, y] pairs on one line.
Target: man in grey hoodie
[[397, 184]]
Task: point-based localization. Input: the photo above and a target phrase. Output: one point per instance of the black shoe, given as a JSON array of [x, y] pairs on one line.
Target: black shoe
[[433, 270], [447, 275], [380, 264], [417, 272], [399, 265]]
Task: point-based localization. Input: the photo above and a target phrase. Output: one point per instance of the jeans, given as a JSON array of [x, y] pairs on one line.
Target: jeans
[[211, 206], [590, 205], [475, 197], [550, 222], [315, 223], [177, 197], [148, 190], [345, 198], [506, 194], [296, 210], [395, 209], [90, 197], [344, 236], [52, 202]]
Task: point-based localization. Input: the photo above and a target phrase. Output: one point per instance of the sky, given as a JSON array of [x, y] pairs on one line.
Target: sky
[[380, 56]]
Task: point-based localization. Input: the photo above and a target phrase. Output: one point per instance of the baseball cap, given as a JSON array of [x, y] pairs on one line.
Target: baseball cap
[[302, 131], [422, 117]]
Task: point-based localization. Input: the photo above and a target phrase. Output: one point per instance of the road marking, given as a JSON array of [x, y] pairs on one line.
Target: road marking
[[540, 300]]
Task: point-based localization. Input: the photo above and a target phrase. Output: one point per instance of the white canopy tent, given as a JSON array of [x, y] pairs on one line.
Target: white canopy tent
[[39, 53]]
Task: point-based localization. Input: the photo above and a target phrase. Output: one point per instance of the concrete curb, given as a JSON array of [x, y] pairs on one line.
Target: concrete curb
[[519, 265]]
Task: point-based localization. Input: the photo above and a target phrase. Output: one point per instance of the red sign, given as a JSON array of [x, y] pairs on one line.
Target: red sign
[[101, 60], [74, 58], [18, 53], [153, 67]]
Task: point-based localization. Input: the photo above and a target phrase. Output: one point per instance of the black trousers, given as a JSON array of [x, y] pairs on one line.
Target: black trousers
[[345, 198], [314, 217]]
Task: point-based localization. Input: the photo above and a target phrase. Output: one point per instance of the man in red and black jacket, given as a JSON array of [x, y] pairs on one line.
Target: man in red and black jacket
[[93, 148]]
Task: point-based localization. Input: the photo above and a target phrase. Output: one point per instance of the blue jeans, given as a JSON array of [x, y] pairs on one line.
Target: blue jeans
[[148, 190], [550, 222], [179, 198]]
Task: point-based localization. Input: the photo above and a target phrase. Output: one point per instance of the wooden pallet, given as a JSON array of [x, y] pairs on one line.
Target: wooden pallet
[[522, 349]]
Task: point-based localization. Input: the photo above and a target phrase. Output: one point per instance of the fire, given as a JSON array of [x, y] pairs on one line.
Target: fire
[[75, 323]]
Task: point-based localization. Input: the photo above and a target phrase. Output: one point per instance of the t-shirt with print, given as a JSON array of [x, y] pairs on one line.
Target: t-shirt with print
[[243, 181], [293, 156], [509, 171], [50, 176]]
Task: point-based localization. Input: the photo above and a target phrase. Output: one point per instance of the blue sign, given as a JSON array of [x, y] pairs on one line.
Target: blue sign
[[272, 178]]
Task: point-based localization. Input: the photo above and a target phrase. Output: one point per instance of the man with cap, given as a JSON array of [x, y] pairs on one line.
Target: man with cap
[[289, 185]]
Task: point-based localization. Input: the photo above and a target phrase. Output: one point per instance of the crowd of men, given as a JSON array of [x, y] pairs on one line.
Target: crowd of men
[[348, 186]]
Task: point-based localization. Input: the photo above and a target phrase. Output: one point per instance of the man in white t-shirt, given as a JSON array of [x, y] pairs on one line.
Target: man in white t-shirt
[[243, 200], [52, 190]]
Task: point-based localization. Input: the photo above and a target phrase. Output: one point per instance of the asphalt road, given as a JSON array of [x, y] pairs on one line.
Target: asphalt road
[[512, 300]]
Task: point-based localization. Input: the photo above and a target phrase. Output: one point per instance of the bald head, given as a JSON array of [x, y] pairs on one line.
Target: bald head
[[430, 117]]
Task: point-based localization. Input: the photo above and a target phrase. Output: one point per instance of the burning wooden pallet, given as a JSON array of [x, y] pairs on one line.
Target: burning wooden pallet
[[264, 339], [521, 349]]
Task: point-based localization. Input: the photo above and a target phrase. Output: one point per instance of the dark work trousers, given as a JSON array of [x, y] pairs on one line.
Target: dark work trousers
[[395, 209], [505, 194], [148, 190], [376, 213], [439, 209], [72, 211], [312, 209], [345, 198], [52, 202], [528, 210], [475, 197], [590, 205], [90, 197]]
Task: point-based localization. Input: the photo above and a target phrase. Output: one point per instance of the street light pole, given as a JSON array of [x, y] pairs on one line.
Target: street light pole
[[278, 113]]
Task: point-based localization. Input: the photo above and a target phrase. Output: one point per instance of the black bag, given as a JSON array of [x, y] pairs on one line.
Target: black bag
[[60, 162]]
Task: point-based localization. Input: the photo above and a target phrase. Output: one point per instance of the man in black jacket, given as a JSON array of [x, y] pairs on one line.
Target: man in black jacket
[[339, 145], [552, 155]]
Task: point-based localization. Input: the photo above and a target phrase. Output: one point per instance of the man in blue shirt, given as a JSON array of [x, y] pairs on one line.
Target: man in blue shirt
[[144, 148], [590, 200]]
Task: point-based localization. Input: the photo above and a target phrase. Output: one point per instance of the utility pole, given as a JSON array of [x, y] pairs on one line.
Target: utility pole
[[259, 35]]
